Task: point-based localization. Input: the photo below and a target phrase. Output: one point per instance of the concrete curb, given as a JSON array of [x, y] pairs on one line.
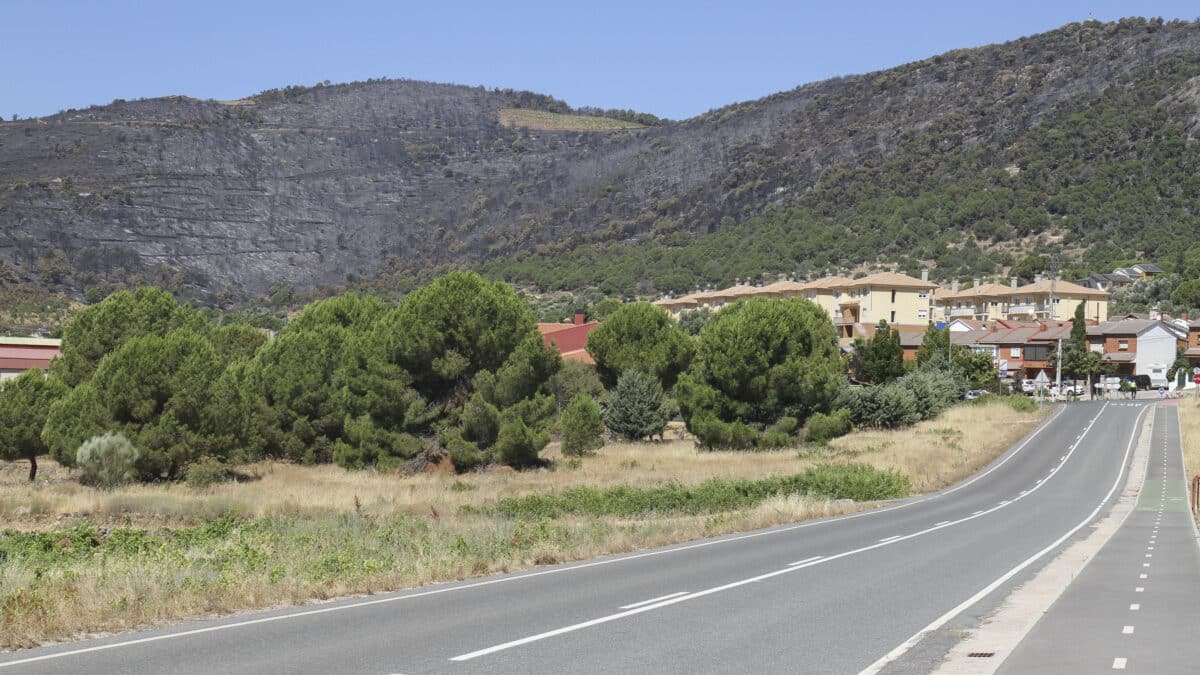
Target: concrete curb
[[1020, 611]]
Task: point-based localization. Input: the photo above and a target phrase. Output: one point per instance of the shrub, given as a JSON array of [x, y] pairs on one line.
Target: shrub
[[517, 445], [205, 472], [822, 428], [919, 395], [582, 428], [107, 460], [636, 408]]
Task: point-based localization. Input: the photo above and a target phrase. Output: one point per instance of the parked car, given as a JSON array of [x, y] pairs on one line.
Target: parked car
[[1028, 386], [973, 394]]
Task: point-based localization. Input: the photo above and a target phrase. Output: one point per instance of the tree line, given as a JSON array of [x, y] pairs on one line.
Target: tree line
[[456, 369]]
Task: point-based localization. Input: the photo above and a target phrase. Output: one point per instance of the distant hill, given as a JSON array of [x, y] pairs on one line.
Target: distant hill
[[1079, 140]]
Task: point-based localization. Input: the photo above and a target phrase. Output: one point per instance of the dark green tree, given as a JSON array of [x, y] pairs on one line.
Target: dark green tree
[[24, 405], [758, 362], [641, 336], [100, 329], [879, 359], [1187, 294], [636, 406], [582, 426]]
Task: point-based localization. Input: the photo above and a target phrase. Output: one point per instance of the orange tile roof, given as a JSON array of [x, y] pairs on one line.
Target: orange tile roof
[[891, 279], [1061, 287], [983, 290]]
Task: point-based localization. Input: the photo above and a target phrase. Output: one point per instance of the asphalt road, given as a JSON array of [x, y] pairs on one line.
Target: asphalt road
[[1136, 606], [885, 589]]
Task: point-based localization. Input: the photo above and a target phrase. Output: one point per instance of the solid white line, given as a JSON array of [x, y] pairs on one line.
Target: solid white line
[[937, 623], [892, 538], [806, 560], [717, 589], [557, 570], [944, 522], [651, 600], [1119, 664], [1127, 630]]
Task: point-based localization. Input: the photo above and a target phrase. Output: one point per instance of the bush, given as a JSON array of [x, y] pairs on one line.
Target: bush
[[919, 395], [636, 408], [1017, 402], [822, 428], [517, 445], [107, 460], [582, 428], [205, 472]]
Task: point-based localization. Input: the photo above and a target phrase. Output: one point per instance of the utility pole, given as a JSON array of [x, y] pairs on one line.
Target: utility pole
[[1054, 257], [1058, 369]]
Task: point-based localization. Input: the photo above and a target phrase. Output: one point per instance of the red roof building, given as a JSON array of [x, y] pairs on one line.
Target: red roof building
[[18, 354], [570, 339]]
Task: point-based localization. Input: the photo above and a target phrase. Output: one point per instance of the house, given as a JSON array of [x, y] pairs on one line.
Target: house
[[1105, 282], [18, 354], [1024, 348], [1139, 271], [888, 296], [979, 302], [1135, 347], [570, 339], [1053, 298]]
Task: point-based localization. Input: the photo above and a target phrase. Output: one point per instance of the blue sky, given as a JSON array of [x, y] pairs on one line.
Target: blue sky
[[674, 59]]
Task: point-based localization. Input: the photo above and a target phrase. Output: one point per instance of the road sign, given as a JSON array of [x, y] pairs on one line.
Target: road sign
[[1196, 378], [1003, 368], [1196, 370]]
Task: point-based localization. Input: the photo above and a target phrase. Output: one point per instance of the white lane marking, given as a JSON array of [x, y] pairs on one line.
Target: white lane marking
[[986, 590], [717, 589], [1046, 424], [1139, 589], [1143, 576], [806, 560], [1134, 607], [1145, 564], [1127, 630], [1119, 663], [1149, 555], [647, 602], [944, 522], [892, 538]]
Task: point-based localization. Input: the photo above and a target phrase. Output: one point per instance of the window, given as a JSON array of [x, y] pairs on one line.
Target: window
[[1122, 345], [922, 314], [922, 294], [893, 314], [1057, 300], [1037, 353], [1014, 353], [893, 295], [994, 303]]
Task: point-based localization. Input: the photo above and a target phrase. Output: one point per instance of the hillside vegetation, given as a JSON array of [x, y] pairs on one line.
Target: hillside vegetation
[[549, 121], [1079, 140]]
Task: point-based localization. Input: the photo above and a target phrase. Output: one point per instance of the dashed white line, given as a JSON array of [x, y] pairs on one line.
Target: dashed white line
[[1143, 576], [1127, 630], [1134, 607], [1140, 589], [647, 602], [1119, 663]]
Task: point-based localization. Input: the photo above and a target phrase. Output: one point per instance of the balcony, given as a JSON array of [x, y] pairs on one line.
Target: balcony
[[959, 312], [1025, 310]]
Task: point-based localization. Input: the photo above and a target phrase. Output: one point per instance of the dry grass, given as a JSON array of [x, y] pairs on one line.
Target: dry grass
[[548, 121], [1189, 428], [321, 532]]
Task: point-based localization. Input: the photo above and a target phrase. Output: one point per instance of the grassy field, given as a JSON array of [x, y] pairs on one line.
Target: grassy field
[[548, 121], [78, 560]]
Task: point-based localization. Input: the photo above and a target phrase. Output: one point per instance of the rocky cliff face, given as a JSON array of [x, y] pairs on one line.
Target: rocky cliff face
[[307, 186]]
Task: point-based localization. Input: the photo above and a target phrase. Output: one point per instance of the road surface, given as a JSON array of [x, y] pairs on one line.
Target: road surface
[[881, 591]]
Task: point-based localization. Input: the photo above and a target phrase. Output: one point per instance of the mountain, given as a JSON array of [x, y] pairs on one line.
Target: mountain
[[1079, 141]]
